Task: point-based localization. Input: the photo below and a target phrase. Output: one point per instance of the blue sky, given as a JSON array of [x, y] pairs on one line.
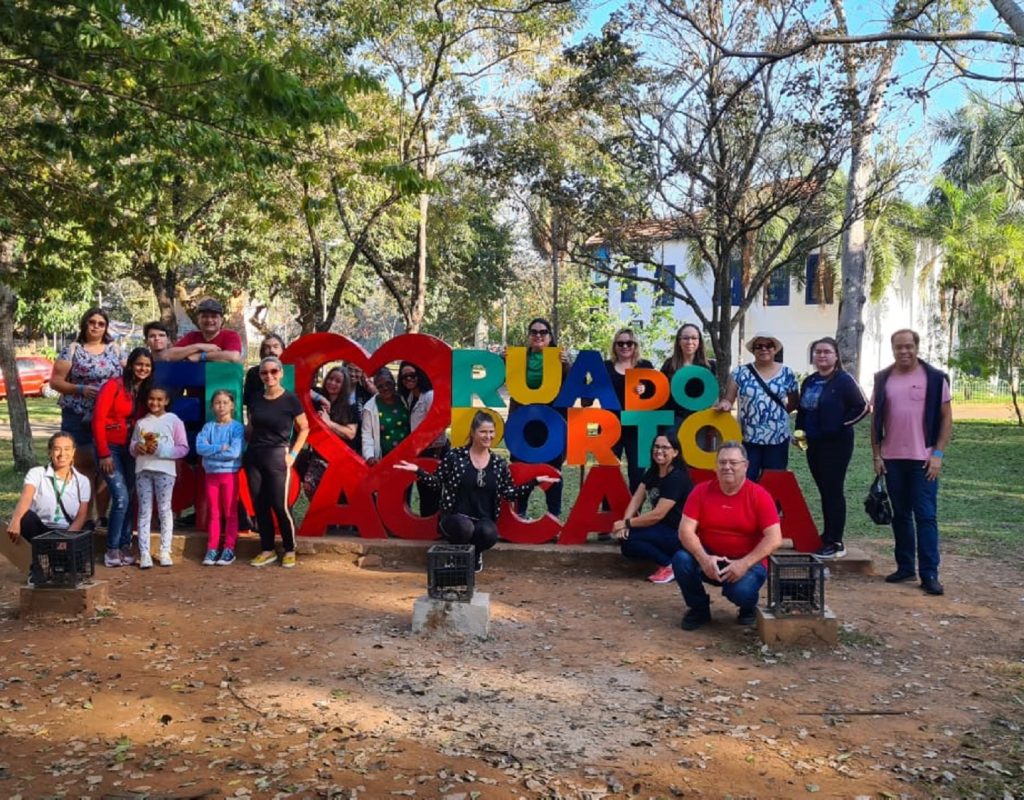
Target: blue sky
[[908, 121]]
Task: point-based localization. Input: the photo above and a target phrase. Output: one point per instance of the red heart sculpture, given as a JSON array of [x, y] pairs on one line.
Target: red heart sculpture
[[346, 470]]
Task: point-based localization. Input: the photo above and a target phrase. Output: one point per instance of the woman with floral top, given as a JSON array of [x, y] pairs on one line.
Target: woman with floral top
[[81, 369], [473, 481], [767, 391]]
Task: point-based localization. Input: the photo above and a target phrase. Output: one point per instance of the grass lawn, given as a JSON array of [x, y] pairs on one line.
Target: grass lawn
[[981, 501]]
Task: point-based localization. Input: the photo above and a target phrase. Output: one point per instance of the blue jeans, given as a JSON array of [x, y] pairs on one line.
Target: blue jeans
[[691, 580], [121, 484], [765, 456], [657, 543], [915, 525]]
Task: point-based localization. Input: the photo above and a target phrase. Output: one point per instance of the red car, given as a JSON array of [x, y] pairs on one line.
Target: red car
[[34, 372]]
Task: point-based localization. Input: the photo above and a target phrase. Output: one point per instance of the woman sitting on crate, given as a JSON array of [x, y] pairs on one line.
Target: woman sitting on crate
[[472, 481], [54, 497]]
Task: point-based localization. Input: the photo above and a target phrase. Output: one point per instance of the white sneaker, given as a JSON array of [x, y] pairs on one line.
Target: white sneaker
[[145, 561], [165, 559], [112, 558]]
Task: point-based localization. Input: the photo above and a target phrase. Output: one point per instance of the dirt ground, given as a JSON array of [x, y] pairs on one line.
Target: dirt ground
[[234, 682]]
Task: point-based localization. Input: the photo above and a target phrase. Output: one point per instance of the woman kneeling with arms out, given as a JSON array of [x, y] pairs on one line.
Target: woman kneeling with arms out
[[54, 497], [472, 481], [654, 535]]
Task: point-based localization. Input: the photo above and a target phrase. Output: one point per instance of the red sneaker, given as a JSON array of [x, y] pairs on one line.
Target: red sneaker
[[662, 575]]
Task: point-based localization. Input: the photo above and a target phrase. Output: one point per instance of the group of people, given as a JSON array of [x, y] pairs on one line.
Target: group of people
[[722, 531], [117, 424]]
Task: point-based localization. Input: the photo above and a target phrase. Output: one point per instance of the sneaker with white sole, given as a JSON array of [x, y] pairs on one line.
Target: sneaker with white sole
[[662, 575], [227, 557], [127, 559], [211, 558], [145, 561], [288, 559], [165, 559], [263, 559], [832, 550], [112, 558]]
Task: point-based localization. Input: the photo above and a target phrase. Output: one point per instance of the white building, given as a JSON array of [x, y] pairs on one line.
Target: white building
[[796, 311]]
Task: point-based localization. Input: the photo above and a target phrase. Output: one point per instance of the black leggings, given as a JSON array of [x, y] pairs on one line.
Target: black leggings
[[460, 529], [268, 477], [828, 460]]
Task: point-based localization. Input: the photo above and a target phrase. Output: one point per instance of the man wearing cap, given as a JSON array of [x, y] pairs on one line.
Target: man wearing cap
[[212, 342], [911, 426]]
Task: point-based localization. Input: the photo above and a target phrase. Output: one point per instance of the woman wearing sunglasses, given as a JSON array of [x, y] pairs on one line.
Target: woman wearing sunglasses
[[273, 416], [472, 481], [626, 355], [767, 391], [539, 336]]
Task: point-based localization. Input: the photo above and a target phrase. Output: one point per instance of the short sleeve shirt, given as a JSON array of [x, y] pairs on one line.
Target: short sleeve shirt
[[762, 420], [271, 421], [225, 340], [89, 370], [905, 395], [675, 486], [73, 493], [730, 525]]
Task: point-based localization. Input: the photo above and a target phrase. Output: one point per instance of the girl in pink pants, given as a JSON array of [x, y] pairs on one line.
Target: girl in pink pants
[[220, 444]]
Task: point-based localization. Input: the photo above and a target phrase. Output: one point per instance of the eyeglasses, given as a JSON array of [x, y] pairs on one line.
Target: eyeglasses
[[625, 343], [408, 376], [731, 463], [662, 447], [274, 371], [97, 323], [764, 346], [824, 352], [481, 478], [689, 338], [539, 332]]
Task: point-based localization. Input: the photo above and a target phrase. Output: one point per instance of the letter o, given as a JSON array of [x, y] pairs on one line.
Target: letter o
[[722, 421], [709, 386], [515, 434]]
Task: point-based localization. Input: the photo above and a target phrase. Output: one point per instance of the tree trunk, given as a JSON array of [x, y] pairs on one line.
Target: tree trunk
[[853, 263], [163, 288], [21, 430], [418, 306], [1012, 14]]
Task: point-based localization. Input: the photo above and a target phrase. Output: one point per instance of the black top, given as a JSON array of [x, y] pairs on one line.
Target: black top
[[457, 478], [271, 421], [619, 380], [674, 486]]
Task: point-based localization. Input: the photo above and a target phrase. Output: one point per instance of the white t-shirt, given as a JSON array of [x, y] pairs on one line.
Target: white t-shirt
[[74, 493]]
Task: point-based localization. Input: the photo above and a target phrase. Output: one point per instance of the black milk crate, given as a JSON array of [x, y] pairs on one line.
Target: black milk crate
[[63, 558], [451, 572], [796, 584]]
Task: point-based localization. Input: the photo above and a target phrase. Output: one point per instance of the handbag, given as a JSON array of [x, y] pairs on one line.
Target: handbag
[[877, 503]]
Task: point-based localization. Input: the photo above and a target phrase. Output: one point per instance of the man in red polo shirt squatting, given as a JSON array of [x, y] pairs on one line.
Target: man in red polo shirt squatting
[[729, 528]]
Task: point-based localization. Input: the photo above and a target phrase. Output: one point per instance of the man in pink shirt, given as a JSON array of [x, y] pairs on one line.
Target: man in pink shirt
[[729, 528], [911, 426], [212, 342]]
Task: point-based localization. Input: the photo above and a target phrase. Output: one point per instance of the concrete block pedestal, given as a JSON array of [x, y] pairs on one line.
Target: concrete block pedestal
[[69, 602], [798, 629], [466, 619]]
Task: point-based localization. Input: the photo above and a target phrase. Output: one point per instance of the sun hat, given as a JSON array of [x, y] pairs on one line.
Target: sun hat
[[761, 335]]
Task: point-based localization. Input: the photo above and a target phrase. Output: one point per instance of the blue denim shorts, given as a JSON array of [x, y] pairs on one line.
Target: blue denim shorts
[[80, 430]]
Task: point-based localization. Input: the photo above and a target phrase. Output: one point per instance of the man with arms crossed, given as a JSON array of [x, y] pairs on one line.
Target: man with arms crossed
[[729, 528], [910, 428]]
